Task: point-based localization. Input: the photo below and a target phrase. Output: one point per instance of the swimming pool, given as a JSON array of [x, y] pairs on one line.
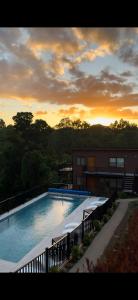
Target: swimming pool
[[23, 230]]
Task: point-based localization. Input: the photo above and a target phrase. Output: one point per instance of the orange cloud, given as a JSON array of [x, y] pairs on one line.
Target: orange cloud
[[27, 76], [40, 112]]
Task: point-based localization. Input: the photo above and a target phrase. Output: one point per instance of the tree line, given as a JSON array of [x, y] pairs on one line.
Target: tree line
[[31, 153]]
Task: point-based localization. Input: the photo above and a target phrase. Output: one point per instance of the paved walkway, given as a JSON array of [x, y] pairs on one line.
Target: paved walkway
[[102, 239]]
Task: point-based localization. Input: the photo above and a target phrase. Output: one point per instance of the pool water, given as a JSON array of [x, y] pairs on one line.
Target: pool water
[[23, 230]]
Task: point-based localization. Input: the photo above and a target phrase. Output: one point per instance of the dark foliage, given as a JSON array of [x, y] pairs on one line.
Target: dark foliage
[[31, 153]]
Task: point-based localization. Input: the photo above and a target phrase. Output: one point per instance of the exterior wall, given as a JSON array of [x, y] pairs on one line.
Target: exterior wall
[[98, 160], [91, 183], [102, 159]]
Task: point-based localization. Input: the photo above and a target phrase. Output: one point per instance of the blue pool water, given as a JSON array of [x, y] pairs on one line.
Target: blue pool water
[[23, 230]]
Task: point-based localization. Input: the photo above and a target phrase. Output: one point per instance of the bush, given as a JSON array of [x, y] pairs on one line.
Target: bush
[[87, 239], [97, 225], [114, 205], [76, 253], [105, 218], [122, 195], [54, 269], [110, 211]]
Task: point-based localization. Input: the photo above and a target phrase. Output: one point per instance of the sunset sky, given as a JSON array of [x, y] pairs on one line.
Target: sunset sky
[[86, 73]]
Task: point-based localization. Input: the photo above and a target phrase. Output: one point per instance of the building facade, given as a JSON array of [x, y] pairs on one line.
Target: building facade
[[105, 170]]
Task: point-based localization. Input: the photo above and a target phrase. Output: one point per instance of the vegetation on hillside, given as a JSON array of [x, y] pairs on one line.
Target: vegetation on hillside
[[32, 152], [124, 256]]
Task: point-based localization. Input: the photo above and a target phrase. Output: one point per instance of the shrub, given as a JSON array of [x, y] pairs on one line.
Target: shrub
[[114, 205], [105, 218], [54, 269], [76, 253], [97, 225], [122, 195], [110, 211], [87, 239]]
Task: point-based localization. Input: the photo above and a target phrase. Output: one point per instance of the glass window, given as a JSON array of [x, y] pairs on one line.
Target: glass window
[[83, 161], [79, 180], [112, 162], [120, 162], [78, 161]]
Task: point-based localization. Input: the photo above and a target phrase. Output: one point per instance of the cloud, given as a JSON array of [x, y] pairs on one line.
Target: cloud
[[129, 55], [40, 112], [74, 112], [91, 114], [55, 39], [112, 38], [126, 74], [25, 75], [107, 76], [30, 81]]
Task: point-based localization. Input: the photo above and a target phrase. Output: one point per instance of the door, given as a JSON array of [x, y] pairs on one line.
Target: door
[[91, 163]]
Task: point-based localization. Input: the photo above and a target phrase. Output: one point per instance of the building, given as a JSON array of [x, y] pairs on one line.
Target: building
[[105, 170]]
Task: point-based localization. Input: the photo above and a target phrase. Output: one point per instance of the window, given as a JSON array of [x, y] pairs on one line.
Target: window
[[78, 161], [81, 161], [112, 162], [120, 162], [116, 162], [79, 180]]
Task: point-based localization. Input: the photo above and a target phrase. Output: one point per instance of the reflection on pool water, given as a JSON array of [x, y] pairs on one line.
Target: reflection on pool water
[[23, 230]]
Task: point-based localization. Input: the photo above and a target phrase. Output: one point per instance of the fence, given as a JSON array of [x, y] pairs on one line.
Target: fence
[[60, 251]]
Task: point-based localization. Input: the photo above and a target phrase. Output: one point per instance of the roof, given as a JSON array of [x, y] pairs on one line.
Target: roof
[[104, 149], [67, 169]]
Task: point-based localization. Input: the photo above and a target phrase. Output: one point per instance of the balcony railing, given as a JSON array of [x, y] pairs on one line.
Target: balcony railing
[[105, 169]]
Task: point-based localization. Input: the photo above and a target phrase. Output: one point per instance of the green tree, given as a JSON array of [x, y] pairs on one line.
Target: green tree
[[31, 168], [64, 123], [23, 120], [77, 124], [122, 124], [40, 125], [2, 123]]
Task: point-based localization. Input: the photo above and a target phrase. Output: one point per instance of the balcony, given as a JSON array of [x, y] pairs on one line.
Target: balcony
[[110, 171]]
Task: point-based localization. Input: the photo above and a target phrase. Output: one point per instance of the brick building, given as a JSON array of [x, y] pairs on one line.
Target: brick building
[[104, 170]]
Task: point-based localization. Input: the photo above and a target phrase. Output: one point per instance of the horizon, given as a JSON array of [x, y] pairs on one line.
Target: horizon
[[81, 73]]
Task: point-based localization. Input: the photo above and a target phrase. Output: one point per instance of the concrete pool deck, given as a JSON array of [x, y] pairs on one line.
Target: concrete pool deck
[[75, 216]]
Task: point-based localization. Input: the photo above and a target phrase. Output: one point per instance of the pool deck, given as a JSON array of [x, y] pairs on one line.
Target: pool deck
[[75, 216]]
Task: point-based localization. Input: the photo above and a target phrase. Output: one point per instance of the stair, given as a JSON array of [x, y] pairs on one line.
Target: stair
[[128, 183]]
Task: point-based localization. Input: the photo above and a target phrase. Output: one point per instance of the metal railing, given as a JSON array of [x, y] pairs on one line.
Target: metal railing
[[59, 252], [106, 169]]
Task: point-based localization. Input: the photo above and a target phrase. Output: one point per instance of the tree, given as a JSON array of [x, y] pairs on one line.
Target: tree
[[23, 120], [85, 125], [77, 124], [31, 169], [40, 125], [122, 124], [2, 123], [64, 123]]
